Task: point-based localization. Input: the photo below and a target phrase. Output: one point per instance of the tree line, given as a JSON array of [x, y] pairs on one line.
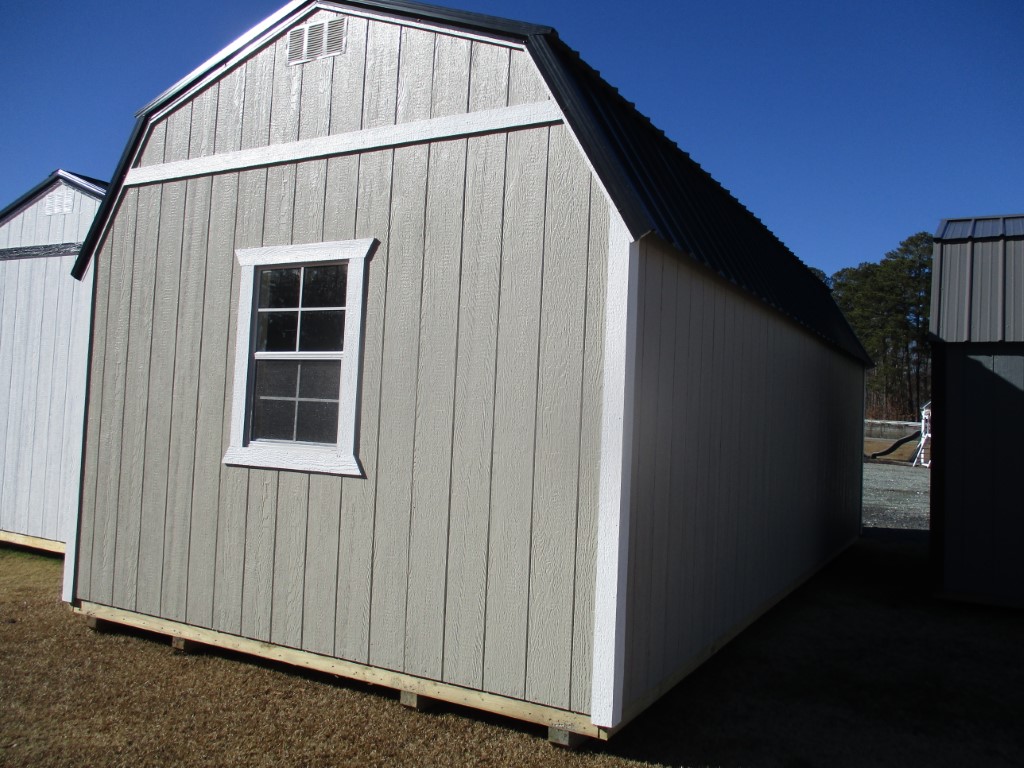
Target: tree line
[[887, 303]]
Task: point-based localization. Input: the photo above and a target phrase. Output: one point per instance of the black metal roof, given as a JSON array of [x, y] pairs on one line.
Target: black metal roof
[[86, 184], [980, 227], [656, 187]]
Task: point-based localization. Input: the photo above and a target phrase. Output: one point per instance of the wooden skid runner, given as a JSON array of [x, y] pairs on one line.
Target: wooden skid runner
[[557, 719], [34, 542]]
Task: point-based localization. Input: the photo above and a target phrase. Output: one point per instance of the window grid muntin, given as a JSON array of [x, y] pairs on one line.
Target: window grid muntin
[[298, 356]]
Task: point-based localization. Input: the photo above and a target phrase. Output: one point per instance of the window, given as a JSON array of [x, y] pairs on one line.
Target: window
[[297, 357]]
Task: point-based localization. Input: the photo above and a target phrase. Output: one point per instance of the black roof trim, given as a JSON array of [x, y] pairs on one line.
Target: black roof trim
[[85, 184], [40, 251]]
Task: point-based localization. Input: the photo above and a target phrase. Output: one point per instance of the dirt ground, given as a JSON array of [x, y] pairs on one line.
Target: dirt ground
[[861, 666]]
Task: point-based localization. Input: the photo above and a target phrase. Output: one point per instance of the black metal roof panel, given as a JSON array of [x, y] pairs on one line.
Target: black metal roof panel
[[655, 187], [981, 227]]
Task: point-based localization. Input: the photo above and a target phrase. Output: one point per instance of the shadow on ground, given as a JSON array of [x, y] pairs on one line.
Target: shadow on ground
[[861, 666]]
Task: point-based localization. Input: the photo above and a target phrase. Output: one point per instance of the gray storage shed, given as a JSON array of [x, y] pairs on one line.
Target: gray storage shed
[[421, 357], [977, 326], [44, 332]]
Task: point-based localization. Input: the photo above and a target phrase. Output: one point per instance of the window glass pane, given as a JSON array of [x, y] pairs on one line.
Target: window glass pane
[[317, 422], [324, 286], [273, 419], [276, 378], [279, 288], [276, 331], [320, 379], [322, 331]]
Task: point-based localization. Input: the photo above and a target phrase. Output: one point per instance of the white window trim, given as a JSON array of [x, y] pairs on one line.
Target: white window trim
[[339, 459]]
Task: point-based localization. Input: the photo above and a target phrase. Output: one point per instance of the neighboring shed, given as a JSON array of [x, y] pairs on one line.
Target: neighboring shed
[[977, 326], [44, 332], [422, 356]]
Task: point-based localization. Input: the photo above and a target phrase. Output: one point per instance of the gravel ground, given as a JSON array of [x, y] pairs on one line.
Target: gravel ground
[[860, 666], [896, 496]]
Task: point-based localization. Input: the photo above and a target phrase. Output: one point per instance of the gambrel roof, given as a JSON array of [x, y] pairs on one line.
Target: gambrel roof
[[655, 187]]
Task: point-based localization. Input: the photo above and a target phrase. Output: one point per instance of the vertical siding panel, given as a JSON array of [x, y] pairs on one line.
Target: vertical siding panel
[[435, 384], [258, 579], [87, 524], [315, 99], [259, 88], [474, 392], [214, 360], [415, 65], [525, 84], [184, 399], [115, 362], [53, 468], [489, 78], [287, 94], [590, 453], [348, 79], [450, 87], [665, 393], [355, 561], [230, 100], [515, 409], [559, 387], [158, 410], [232, 525], [202, 139], [136, 394], [398, 408], [179, 131], [381, 85], [39, 516], [153, 150], [12, 354], [28, 327]]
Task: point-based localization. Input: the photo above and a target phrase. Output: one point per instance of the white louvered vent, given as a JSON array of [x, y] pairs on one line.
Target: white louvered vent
[[60, 200], [315, 41]]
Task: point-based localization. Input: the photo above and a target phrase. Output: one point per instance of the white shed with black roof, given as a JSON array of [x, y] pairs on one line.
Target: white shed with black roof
[[44, 332], [977, 328], [420, 356]]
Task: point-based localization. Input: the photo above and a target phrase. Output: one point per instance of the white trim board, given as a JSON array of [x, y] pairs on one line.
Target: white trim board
[[420, 131], [615, 478]]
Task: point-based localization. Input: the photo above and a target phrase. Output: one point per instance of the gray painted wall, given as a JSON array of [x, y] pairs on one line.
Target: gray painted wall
[[982, 394], [747, 466], [978, 290], [467, 553], [44, 325]]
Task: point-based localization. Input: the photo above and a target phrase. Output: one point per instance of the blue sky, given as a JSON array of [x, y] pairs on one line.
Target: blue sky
[[846, 126]]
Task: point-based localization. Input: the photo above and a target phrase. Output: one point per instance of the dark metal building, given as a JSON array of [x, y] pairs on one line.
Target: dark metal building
[[977, 326]]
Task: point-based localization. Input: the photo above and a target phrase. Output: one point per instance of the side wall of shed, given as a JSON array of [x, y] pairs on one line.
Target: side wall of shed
[[44, 331], [977, 287], [466, 554], [979, 451], [747, 466]]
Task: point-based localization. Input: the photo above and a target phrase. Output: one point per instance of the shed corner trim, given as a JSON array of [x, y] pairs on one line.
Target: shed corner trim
[[606, 703]]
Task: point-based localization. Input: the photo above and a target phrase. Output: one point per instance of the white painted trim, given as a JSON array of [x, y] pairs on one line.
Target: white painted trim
[[339, 459], [419, 131], [606, 703]]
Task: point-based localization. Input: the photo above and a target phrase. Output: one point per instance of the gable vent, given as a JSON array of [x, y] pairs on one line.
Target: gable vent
[[315, 41], [60, 200]]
